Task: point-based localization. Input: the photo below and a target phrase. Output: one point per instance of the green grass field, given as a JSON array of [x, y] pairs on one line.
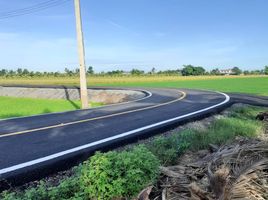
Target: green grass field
[[241, 84], [18, 107], [14, 107], [256, 85]]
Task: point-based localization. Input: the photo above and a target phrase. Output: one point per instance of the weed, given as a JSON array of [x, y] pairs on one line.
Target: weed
[[114, 175]]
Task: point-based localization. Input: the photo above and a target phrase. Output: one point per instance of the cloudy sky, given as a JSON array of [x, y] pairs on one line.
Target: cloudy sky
[[125, 34]]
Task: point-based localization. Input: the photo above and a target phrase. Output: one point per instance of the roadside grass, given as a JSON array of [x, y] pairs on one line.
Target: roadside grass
[[241, 84], [107, 173], [18, 107], [224, 130], [239, 122]]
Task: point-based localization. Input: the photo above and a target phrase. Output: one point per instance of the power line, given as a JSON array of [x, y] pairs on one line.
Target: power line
[[32, 9]]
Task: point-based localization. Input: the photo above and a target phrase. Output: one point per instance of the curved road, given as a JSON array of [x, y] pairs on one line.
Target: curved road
[[33, 147]]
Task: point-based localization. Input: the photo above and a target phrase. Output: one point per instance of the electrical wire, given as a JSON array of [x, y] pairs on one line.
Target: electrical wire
[[32, 9]]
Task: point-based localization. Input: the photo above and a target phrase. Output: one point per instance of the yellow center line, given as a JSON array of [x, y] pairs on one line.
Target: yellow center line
[[92, 119]]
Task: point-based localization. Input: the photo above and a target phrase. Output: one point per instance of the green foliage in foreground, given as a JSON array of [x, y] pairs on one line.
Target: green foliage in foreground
[[123, 174], [105, 176], [68, 188], [18, 107], [240, 122], [115, 175]]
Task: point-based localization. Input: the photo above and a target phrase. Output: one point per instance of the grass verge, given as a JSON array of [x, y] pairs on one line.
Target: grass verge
[[239, 121], [18, 107], [123, 174]]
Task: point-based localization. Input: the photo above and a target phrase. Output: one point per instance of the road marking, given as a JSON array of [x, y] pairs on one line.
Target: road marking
[[91, 119], [79, 148]]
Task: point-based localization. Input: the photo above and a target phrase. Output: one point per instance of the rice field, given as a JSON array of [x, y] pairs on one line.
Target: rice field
[[241, 84]]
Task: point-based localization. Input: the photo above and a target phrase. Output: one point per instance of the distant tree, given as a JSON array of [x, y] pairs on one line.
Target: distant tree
[[76, 71], [255, 72], [199, 71], [19, 71], [190, 70], [115, 72], [215, 72], [266, 70], [11, 73], [236, 71], [246, 72], [187, 70], [56, 74], [38, 74], [25, 72], [136, 72], [153, 70], [68, 72], [90, 70], [3, 72], [170, 72], [31, 74]]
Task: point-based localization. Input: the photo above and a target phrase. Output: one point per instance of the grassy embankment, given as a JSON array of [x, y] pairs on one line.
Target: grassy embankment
[[243, 84], [18, 107], [123, 174]]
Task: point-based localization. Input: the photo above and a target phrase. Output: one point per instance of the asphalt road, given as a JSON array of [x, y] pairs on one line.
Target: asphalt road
[[33, 147]]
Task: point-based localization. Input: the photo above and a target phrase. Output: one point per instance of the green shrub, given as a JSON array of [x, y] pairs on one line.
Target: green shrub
[[168, 148], [67, 189], [165, 148], [6, 195], [119, 174]]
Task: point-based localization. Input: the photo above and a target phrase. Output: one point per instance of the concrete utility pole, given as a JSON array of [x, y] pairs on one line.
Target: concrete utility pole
[[81, 51]]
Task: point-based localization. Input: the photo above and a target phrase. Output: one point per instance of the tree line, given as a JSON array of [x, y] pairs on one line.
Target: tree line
[[187, 70]]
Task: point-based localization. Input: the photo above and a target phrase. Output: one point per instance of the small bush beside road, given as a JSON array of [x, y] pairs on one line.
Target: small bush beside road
[[119, 174]]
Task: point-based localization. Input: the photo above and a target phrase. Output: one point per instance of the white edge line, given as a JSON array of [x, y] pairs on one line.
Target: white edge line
[[56, 155], [147, 95]]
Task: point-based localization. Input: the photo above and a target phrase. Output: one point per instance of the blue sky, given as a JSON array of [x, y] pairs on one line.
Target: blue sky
[[126, 34]]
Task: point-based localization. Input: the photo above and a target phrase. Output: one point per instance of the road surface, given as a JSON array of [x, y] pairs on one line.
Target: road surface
[[33, 147]]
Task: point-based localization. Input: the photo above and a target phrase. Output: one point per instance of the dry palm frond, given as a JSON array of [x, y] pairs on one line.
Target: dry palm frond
[[144, 194], [243, 183], [238, 171], [218, 181], [197, 193], [234, 171]]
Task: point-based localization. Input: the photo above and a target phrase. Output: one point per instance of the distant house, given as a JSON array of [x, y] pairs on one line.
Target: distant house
[[226, 71]]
